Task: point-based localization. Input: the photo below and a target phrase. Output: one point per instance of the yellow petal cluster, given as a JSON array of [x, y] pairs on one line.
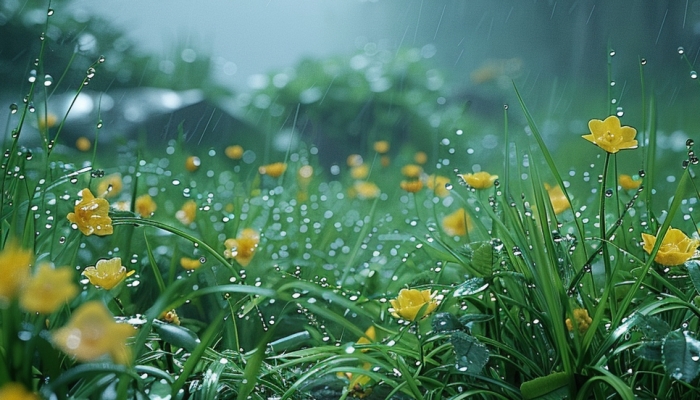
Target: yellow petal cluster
[[627, 183], [381, 146], [354, 160], [365, 190], [411, 171], [110, 186], [560, 202], [359, 171], [274, 170], [583, 320], [187, 213], [610, 136], [145, 206], [457, 224], [438, 184], [92, 333], [411, 302], [190, 263], [676, 248], [192, 163], [242, 248], [479, 180], [420, 157], [16, 391], [14, 270], [91, 215], [412, 186], [48, 289], [234, 152], [107, 273]]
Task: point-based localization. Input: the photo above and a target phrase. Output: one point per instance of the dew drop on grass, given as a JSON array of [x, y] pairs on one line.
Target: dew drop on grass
[[50, 12], [48, 80], [693, 75], [644, 61], [608, 193], [32, 76], [13, 108], [99, 124], [681, 51], [612, 53]]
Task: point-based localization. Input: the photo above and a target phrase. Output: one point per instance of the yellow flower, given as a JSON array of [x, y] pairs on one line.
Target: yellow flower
[[420, 157], [91, 333], [610, 136], [110, 186], [91, 215], [412, 186], [192, 163], [187, 213], [438, 184], [411, 171], [583, 320], [360, 171], [381, 146], [190, 263], [47, 121], [48, 289], [274, 170], [628, 183], [145, 206], [385, 161], [558, 199], [16, 391], [243, 247], [457, 224], [234, 152], [676, 248], [14, 270], [365, 190], [479, 180], [410, 302], [83, 144], [354, 160], [369, 337], [107, 273], [171, 317]]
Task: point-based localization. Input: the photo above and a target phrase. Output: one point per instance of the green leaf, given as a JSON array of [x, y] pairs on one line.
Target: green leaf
[[693, 267], [484, 258], [650, 351], [471, 355], [471, 318], [653, 327], [446, 322], [176, 335], [553, 386], [470, 287], [681, 356]]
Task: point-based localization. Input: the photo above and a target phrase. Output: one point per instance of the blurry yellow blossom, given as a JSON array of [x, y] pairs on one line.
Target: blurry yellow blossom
[[187, 213], [121, 206], [170, 317], [14, 270], [190, 263], [381, 146], [627, 183], [360, 171], [274, 170], [457, 224], [110, 186], [583, 320], [369, 337], [412, 186], [365, 190], [420, 157], [192, 163], [676, 248], [107, 273], [16, 391], [234, 152], [91, 215], [479, 180], [145, 206], [385, 161], [354, 160], [610, 136], [91, 333], [412, 171], [47, 121], [83, 144], [438, 184], [304, 175], [48, 289], [558, 199], [410, 302], [242, 248]]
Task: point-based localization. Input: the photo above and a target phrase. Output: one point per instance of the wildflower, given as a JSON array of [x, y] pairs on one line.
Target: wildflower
[[145, 206], [107, 273], [274, 170], [558, 199], [91, 215], [479, 180], [14, 269], [354, 160], [610, 136], [242, 248], [190, 263], [170, 317], [16, 391], [410, 302], [583, 320], [234, 152], [48, 289], [676, 248], [359, 172], [381, 146], [83, 144], [47, 121], [110, 186], [369, 337], [457, 224], [121, 206], [627, 183], [412, 186], [187, 213], [385, 161], [438, 184], [365, 190], [420, 157], [412, 171], [91, 333], [192, 163]]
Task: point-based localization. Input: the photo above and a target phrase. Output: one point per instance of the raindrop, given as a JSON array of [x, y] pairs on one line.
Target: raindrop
[[42, 36], [32, 76], [505, 106], [642, 173], [681, 51], [13, 108], [644, 61], [612, 53], [90, 73], [612, 83], [620, 112], [48, 80], [689, 143], [608, 193], [101, 59], [97, 173], [31, 107], [693, 75], [50, 12], [99, 124]]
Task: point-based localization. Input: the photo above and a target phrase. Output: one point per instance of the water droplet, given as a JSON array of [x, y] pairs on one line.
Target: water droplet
[[90, 73], [31, 108], [620, 112], [42, 36], [101, 59], [612, 53], [612, 83], [608, 193], [693, 75], [642, 173], [50, 12], [13, 108], [99, 124], [681, 51], [505, 106], [48, 80], [644, 61], [32, 76]]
